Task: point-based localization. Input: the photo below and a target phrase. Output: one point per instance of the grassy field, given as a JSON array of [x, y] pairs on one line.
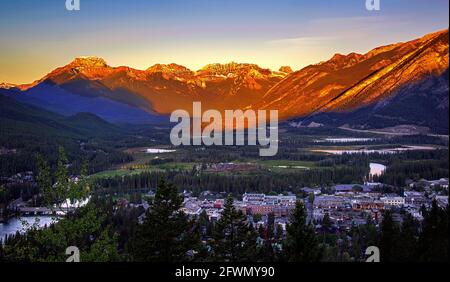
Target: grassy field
[[142, 163], [286, 165], [272, 165], [116, 172], [183, 159], [137, 169]]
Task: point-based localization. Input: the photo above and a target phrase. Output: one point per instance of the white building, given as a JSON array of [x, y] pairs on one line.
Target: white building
[[442, 201], [253, 198], [393, 201], [330, 202], [270, 200]]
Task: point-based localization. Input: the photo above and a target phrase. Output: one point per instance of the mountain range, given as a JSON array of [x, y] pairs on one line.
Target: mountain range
[[397, 84]]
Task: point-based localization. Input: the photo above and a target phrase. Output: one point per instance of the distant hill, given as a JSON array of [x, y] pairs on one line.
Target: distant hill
[[49, 96], [18, 118]]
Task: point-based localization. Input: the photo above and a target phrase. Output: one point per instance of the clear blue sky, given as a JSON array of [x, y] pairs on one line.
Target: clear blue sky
[[38, 36]]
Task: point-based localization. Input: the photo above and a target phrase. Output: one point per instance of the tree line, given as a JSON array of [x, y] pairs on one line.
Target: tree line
[[104, 232], [235, 183]]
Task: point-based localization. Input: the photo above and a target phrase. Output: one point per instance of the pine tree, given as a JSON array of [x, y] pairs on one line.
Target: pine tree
[[389, 237], [301, 244], [44, 180], [433, 242], [3, 201], [80, 189], [356, 243], [205, 224], [279, 232], [370, 233], [269, 251], [311, 198], [104, 249], [64, 189], [270, 226], [326, 221], [406, 250], [166, 234], [262, 231], [61, 190], [234, 240]]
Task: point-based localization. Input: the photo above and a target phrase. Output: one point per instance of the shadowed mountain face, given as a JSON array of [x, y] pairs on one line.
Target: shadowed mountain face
[[424, 103], [389, 85], [60, 100], [24, 120], [347, 83]]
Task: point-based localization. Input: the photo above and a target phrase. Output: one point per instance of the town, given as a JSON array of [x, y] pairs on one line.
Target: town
[[343, 206]]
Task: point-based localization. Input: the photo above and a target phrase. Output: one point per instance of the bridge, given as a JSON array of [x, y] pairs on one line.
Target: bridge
[[41, 210], [34, 211]]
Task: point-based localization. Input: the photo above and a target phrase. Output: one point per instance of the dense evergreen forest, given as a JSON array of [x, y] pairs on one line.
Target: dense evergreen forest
[[239, 184]]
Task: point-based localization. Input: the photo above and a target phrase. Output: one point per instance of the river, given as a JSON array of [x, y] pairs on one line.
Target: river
[[377, 169], [15, 224], [372, 151]]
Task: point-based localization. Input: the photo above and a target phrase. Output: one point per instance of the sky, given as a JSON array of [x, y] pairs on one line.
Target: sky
[[37, 36]]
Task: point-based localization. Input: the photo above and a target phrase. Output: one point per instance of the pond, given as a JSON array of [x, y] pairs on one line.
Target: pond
[[158, 151], [372, 151], [345, 140]]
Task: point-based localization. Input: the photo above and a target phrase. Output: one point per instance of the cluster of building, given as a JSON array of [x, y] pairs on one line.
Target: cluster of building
[[251, 204], [429, 184], [346, 205], [350, 206], [279, 205], [231, 167], [6, 151], [27, 177], [19, 178]]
